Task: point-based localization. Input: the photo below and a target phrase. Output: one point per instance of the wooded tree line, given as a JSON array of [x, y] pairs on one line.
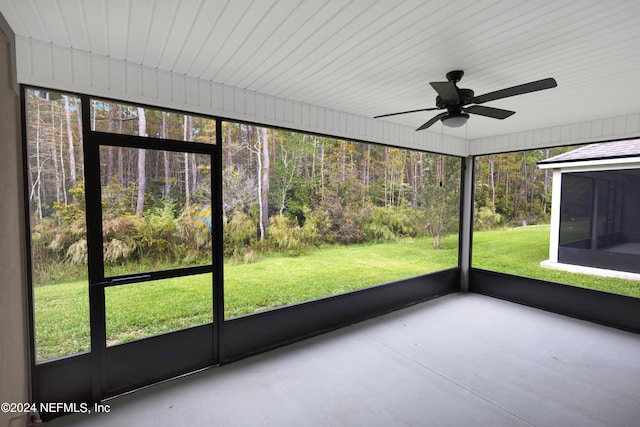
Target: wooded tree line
[[510, 189], [295, 191], [156, 205], [282, 190]]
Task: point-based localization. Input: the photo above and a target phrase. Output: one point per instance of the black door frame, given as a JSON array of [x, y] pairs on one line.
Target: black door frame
[[118, 368]]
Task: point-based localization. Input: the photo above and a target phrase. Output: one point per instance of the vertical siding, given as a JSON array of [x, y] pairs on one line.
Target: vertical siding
[[48, 65]]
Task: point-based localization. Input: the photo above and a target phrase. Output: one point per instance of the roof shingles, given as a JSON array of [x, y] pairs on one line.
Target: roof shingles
[[613, 149]]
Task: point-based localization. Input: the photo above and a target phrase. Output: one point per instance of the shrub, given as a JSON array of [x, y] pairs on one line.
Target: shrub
[[284, 234], [239, 233], [487, 219], [116, 251], [351, 229], [315, 227], [77, 252], [124, 227], [159, 234], [391, 222]]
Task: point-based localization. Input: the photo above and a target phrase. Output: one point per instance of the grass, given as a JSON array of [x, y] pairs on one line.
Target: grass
[[150, 308], [61, 319], [278, 280], [520, 250]]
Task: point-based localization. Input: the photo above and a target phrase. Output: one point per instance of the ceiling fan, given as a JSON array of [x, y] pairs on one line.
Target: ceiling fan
[[455, 101]]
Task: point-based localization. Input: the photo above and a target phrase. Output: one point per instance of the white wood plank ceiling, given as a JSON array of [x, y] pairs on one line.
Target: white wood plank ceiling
[[369, 57]]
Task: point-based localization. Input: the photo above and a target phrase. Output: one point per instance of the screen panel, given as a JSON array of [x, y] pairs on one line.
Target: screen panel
[[307, 217], [156, 209], [145, 309], [598, 245], [58, 236]]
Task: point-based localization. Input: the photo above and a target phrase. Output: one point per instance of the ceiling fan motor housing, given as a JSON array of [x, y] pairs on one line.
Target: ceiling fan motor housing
[[455, 76], [466, 95]]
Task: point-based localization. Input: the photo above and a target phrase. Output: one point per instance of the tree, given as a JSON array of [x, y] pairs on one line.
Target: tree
[[72, 156], [287, 166], [188, 136], [442, 194], [167, 171], [262, 147], [142, 176]]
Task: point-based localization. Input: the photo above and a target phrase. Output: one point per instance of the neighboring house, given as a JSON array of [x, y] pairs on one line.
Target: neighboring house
[[595, 211]]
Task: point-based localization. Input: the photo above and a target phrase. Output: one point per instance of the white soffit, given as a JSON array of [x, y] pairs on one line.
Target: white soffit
[[351, 60], [594, 165]]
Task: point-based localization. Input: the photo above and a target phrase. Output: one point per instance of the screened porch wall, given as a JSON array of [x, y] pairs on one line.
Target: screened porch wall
[[598, 220]]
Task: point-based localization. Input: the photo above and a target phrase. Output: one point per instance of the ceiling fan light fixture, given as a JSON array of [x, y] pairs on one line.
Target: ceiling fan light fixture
[[455, 120]]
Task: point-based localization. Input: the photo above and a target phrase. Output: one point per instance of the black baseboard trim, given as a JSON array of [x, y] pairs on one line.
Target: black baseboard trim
[[618, 311], [144, 362], [253, 334]]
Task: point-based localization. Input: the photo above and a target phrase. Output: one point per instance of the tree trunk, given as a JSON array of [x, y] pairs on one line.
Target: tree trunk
[[412, 180], [56, 172], [386, 174], [120, 153], [167, 171], [343, 162], [38, 183], [264, 197], [142, 176], [493, 184], [64, 174], [313, 160], [229, 160], [79, 119], [110, 165], [366, 161], [188, 135], [194, 172], [72, 156]]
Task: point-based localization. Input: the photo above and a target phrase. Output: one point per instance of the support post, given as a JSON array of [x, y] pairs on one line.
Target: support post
[[466, 223], [556, 200]]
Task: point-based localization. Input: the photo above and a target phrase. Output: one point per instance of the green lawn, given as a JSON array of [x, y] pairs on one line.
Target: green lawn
[[140, 310], [149, 308], [520, 250], [279, 280]]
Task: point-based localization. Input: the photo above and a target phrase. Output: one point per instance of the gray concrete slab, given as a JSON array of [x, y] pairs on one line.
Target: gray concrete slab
[[460, 360]]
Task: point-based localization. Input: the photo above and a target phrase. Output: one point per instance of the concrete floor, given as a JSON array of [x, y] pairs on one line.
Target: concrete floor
[[459, 360]]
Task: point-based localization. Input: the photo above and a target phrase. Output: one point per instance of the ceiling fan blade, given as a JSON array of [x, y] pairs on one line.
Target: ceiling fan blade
[[432, 121], [405, 112], [516, 90], [447, 91], [496, 113]]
